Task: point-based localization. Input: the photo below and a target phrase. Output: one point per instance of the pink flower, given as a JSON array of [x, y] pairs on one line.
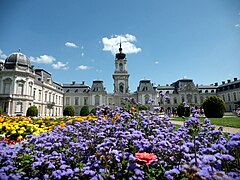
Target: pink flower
[[148, 158]]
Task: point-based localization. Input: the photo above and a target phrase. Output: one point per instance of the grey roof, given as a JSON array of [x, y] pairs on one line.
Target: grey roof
[[75, 88], [165, 87], [16, 58], [230, 83], [207, 87]]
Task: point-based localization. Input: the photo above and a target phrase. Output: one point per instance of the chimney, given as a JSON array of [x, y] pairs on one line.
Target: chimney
[[228, 80], [235, 79], [73, 82], [216, 84], [83, 82], [223, 82]]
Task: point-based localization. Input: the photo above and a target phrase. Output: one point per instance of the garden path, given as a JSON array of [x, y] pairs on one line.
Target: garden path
[[225, 129]]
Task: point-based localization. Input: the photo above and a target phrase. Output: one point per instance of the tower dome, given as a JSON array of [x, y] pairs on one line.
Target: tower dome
[[17, 59], [120, 55]]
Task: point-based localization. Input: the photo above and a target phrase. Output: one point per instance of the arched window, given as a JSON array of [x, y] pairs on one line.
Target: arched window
[[195, 98], [229, 98], [234, 96], [121, 67], [146, 97], [7, 85], [121, 87], [175, 100], [97, 100], [183, 99]]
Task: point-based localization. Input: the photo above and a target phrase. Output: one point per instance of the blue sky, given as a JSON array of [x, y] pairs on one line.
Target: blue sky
[[165, 40]]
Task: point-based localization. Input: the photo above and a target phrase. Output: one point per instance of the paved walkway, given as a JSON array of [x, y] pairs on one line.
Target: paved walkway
[[225, 129]]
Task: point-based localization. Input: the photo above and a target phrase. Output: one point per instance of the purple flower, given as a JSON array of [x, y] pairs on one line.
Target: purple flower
[[51, 166]]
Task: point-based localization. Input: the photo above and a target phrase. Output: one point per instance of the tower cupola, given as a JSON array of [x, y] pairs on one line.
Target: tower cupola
[[120, 55]]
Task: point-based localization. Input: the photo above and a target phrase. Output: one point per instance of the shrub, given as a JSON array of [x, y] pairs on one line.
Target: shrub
[[32, 111], [69, 111], [213, 107], [93, 111], [84, 111], [183, 111]]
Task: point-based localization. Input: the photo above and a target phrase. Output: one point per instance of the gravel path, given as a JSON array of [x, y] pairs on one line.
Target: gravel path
[[225, 129]]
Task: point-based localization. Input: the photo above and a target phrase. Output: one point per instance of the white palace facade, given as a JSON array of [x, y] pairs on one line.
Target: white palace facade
[[21, 85]]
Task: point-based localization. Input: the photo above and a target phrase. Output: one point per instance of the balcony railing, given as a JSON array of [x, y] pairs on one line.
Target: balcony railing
[[50, 105]]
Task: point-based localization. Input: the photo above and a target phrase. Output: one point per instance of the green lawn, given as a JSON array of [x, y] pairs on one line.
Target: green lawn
[[225, 121]]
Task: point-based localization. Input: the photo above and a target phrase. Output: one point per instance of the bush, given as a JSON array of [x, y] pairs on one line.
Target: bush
[[93, 111], [69, 111], [213, 107], [84, 111], [32, 111], [183, 111]]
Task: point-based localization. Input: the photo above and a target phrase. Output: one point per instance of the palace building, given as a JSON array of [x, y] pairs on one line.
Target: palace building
[[21, 85]]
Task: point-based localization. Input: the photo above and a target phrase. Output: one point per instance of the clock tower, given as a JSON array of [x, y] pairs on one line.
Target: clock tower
[[121, 75]]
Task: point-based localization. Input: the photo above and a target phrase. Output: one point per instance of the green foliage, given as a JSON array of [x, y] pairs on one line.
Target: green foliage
[[84, 111], [187, 112], [93, 111], [213, 107], [69, 111], [183, 111], [1, 111], [32, 111], [142, 107]]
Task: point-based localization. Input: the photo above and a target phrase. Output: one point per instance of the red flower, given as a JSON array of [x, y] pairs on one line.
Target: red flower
[[148, 158]]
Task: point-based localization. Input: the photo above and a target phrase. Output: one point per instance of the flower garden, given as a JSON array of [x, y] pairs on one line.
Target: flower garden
[[118, 143]]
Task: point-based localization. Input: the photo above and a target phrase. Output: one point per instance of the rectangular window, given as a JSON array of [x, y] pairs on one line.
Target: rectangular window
[[40, 95], [85, 101], [34, 94], [76, 101], [175, 100], [20, 89], [67, 100], [30, 90], [6, 89], [19, 107], [45, 96]]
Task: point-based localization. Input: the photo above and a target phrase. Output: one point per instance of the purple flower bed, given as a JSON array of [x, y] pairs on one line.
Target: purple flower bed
[[105, 149]]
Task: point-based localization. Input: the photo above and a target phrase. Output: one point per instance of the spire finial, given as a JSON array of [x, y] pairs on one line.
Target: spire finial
[[19, 49], [120, 49]]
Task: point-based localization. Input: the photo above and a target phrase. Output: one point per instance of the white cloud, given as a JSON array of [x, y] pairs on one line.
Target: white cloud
[[71, 44], [156, 62], [83, 67], [45, 59], [237, 25], [60, 65], [82, 54], [112, 44], [2, 55]]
